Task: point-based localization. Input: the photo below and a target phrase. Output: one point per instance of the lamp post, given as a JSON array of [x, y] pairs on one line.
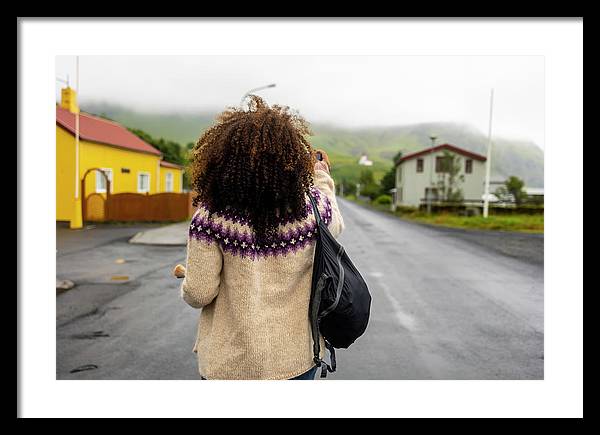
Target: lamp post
[[488, 162], [76, 221], [272, 85], [430, 190]]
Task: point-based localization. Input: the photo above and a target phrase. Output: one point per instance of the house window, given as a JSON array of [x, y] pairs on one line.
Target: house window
[[431, 193], [143, 182], [169, 182], [101, 181], [419, 165], [468, 166], [442, 164]]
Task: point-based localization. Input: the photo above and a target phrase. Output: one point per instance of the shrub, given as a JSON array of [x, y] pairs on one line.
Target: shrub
[[406, 209], [351, 197], [383, 199], [371, 190]]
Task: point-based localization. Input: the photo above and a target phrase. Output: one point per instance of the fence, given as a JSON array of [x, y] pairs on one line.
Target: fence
[[137, 207], [472, 206]]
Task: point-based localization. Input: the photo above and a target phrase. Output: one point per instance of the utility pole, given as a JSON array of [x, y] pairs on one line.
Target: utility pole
[[430, 190], [77, 221], [488, 162]]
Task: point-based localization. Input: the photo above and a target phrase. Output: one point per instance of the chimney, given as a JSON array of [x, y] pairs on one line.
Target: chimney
[[68, 99]]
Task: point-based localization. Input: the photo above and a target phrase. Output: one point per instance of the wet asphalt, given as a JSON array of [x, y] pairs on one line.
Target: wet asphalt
[[447, 304]]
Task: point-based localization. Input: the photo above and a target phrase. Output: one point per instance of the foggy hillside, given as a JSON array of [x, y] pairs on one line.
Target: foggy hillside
[[344, 145]]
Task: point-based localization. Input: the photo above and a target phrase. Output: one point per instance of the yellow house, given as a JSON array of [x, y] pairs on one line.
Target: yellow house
[[132, 165], [171, 177]]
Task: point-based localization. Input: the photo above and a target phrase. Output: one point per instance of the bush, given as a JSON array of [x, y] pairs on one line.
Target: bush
[[529, 209], [406, 209], [371, 190], [351, 197], [383, 199]]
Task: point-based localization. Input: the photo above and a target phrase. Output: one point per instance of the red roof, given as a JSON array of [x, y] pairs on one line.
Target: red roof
[[170, 165], [446, 146], [94, 129]]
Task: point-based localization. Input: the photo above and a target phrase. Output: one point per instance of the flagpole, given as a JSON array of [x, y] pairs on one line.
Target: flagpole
[[488, 163], [77, 129], [77, 220]]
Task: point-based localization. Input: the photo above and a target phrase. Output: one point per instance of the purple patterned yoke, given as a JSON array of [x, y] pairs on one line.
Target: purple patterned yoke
[[243, 243]]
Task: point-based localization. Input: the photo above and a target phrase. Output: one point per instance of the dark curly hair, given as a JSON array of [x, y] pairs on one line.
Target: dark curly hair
[[257, 163]]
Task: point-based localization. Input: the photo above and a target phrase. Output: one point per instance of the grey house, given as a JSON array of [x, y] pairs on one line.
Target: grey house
[[418, 172]]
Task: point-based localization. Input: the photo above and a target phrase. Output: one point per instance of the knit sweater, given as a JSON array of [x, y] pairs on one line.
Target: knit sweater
[[254, 322]]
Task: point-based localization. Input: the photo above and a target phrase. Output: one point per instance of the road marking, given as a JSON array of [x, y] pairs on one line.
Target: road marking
[[406, 320], [375, 274]]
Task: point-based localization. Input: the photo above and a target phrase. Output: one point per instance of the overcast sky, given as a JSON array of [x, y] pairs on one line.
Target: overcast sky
[[352, 91]]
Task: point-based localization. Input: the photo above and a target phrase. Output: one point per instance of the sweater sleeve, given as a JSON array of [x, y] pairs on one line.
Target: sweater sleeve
[[324, 182], [203, 270]]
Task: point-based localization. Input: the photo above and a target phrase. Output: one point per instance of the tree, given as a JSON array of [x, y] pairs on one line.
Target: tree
[[514, 186], [388, 181], [172, 151], [366, 177], [348, 187], [368, 186], [449, 177]]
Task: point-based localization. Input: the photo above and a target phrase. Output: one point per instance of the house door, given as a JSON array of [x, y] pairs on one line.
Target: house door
[[94, 205], [94, 208]]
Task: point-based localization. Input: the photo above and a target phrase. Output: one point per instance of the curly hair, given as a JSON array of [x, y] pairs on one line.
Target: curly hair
[[257, 163]]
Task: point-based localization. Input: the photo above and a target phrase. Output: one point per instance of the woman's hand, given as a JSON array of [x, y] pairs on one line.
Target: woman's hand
[[323, 164], [179, 271]]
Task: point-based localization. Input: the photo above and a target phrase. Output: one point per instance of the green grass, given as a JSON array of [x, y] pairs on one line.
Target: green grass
[[517, 222]]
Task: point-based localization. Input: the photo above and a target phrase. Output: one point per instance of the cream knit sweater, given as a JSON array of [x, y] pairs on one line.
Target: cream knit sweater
[[254, 322]]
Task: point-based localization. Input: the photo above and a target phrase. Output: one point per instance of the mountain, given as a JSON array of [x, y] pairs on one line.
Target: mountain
[[178, 127], [509, 157], [345, 145]]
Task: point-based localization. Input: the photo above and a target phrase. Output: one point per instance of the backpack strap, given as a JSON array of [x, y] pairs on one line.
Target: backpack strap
[[324, 366], [314, 314], [315, 209]]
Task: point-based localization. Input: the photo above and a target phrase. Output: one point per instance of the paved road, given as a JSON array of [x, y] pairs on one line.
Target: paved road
[[446, 305]]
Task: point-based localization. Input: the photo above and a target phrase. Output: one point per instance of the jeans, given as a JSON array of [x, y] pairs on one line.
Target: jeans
[[307, 376]]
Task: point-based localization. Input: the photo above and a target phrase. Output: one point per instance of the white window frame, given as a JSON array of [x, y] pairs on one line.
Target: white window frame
[[100, 179], [169, 179], [139, 190]]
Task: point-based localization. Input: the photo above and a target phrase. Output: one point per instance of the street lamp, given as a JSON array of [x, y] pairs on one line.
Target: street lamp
[[272, 85], [430, 190], [488, 162]]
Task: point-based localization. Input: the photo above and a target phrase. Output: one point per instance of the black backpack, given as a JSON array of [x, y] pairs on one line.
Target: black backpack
[[340, 301]]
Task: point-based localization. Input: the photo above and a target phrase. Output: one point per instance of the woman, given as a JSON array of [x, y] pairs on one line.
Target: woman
[[250, 247]]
